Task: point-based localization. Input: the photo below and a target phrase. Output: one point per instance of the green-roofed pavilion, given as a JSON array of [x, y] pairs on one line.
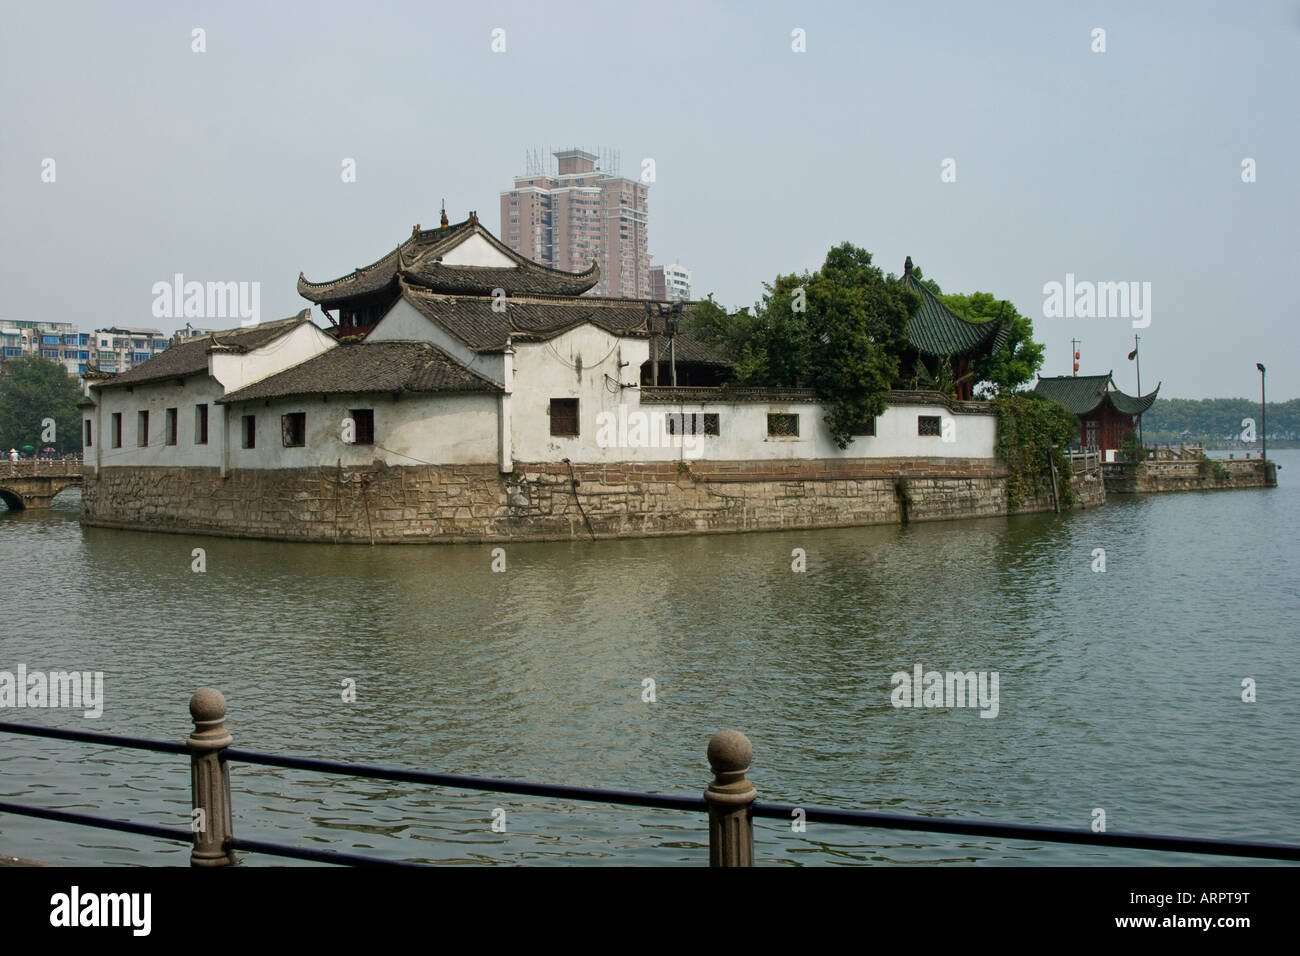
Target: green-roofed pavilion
[[938, 334], [1105, 413]]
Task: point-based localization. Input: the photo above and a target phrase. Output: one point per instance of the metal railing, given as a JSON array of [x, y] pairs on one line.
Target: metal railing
[[730, 801]]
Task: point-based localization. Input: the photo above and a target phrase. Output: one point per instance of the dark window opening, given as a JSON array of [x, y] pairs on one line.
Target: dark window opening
[[865, 429], [87, 432], [928, 425], [293, 429], [783, 426], [200, 424], [363, 425], [694, 423], [117, 429], [170, 430], [250, 431], [564, 417], [142, 429]]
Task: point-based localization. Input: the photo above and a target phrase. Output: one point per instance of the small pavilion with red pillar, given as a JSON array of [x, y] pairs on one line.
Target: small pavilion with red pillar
[[1105, 413]]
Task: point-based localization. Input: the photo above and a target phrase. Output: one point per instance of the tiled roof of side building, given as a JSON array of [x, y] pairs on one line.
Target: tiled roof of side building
[[935, 330], [474, 321], [369, 367], [1082, 394], [418, 261], [190, 357]]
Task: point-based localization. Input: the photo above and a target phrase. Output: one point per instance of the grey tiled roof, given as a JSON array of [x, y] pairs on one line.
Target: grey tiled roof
[[191, 356], [417, 262], [361, 367], [535, 318]]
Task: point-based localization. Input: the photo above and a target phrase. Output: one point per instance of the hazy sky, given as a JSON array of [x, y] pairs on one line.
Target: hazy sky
[[1118, 166]]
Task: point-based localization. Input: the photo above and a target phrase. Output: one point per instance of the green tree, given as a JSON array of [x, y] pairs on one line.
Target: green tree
[[838, 331], [1019, 359], [36, 389]]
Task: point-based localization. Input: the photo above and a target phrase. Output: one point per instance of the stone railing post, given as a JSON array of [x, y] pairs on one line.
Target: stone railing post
[[730, 796], [210, 780]]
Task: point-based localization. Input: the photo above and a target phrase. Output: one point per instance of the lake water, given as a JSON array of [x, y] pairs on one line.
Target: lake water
[[1119, 690]]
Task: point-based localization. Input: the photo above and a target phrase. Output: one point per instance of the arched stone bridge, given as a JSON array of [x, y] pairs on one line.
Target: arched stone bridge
[[33, 484]]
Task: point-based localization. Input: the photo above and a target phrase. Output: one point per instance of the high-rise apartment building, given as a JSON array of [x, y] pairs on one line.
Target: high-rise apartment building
[[670, 282], [115, 349], [579, 215]]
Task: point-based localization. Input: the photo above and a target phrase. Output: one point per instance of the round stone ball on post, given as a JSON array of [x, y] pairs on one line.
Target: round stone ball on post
[[210, 780], [730, 796]]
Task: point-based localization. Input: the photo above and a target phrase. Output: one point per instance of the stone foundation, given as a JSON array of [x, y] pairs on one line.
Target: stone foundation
[[1158, 476], [475, 503]]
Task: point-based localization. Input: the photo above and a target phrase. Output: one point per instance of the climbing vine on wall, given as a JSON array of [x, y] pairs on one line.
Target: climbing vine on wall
[[1028, 428]]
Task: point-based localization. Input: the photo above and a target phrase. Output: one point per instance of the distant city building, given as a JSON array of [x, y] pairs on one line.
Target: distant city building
[[189, 332], [57, 341], [114, 349], [578, 216], [670, 282], [119, 348]]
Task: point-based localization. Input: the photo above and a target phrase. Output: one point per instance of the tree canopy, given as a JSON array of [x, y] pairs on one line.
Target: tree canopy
[[842, 331], [838, 331], [36, 389]]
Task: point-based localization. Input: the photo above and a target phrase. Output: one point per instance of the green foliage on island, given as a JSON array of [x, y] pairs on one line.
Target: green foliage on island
[[842, 332], [1214, 421], [1030, 430], [1209, 467], [839, 331], [36, 389], [1131, 450]]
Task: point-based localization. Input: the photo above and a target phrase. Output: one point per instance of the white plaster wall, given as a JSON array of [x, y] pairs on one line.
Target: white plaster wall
[[546, 370], [477, 251], [234, 371], [405, 323], [438, 429], [156, 399]]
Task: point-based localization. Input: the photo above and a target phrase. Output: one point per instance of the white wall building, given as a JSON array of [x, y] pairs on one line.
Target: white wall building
[[452, 349]]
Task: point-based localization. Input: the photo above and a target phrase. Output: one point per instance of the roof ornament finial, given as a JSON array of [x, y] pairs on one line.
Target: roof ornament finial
[[445, 222], [415, 230], [473, 216], [907, 266]]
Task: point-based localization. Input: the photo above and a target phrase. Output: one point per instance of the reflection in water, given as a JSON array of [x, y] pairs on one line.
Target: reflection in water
[[1119, 690]]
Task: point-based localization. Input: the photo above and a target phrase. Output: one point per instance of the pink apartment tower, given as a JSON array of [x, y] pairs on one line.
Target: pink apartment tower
[[579, 215]]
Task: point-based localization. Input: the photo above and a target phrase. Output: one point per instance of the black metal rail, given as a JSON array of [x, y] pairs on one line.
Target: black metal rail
[[774, 811]]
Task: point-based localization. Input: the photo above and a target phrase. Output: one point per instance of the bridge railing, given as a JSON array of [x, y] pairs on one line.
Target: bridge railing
[[730, 802], [41, 467]]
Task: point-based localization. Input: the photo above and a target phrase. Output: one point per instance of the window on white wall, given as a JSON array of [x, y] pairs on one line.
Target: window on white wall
[[293, 429]]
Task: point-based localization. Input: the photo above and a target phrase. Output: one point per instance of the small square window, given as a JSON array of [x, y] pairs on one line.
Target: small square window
[[865, 429], [928, 425], [783, 426], [564, 417], [293, 429]]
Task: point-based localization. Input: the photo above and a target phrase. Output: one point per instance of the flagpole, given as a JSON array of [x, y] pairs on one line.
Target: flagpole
[[1137, 357]]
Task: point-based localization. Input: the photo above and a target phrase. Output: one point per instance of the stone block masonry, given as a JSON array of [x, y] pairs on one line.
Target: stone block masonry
[[475, 503], [1159, 476]]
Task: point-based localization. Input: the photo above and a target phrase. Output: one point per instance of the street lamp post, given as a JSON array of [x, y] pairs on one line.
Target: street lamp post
[[1263, 418]]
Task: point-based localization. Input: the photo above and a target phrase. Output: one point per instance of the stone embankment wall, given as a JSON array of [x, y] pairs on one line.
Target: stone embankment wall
[[541, 501], [1156, 476]]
